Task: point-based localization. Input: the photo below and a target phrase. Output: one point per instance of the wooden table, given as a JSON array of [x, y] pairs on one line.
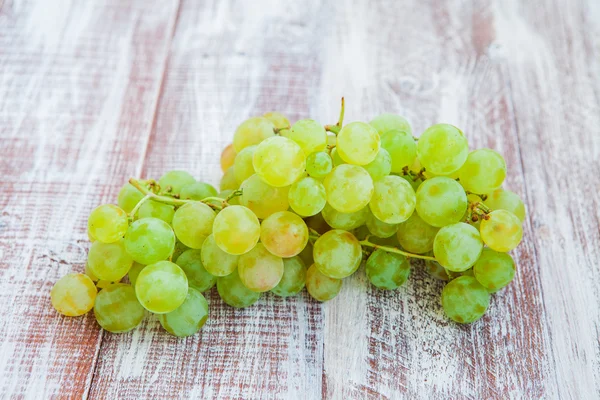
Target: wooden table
[[93, 92]]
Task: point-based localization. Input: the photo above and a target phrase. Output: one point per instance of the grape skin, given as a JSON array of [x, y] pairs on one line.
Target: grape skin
[[279, 161], [307, 197], [284, 234], [345, 221], [293, 279], [233, 292], [402, 148], [393, 200], [502, 231], [107, 223], [149, 240], [73, 295], [337, 254], [483, 172], [416, 235], [262, 198], [109, 261], [117, 309], [464, 300], [188, 318], [190, 261], [236, 230], [379, 228], [387, 270], [456, 247], [358, 143], [349, 188], [128, 197], [161, 287], [494, 270], [318, 164], [321, 287], [216, 261], [441, 201], [442, 149], [381, 166], [259, 270], [192, 223]]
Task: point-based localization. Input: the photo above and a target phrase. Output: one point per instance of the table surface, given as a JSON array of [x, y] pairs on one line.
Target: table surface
[[93, 92]]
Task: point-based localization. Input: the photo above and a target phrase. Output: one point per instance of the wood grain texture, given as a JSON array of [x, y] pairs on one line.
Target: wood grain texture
[[117, 88]]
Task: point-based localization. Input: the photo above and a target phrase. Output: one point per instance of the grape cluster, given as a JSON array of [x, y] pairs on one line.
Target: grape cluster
[[302, 205]]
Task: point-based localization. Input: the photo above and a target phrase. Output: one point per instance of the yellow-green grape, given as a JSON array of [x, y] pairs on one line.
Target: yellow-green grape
[[233, 292], [349, 188], [149, 240], [502, 199], [161, 287], [435, 270], [243, 164], [236, 230], [259, 270], [188, 318], [128, 197], [197, 191], [229, 181], [494, 270], [192, 223], [457, 246], [279, 161], [483, 172], [416, 236], [179, 249], [442, 149], [307, 197], [262, 198], [335, 157], [387, 270], [345, 221], [337, 254], [393, 200], [319, 164], [502, 231], [358, 143], [284, 234], [390, 122], [252, 131], [309, 134], [190, 261], [117, 308], [109, 261], [216, 261], [321, 287], [134, 272], [379, 228], [107, 223], [381, 166], [73, 295], [441, 201], [402, 148], [227, 157], [293, 279], [154, 209], [464, 300], [278, 119], [173, 181]]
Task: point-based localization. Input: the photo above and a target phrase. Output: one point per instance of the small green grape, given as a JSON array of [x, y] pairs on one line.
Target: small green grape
[[173, 181], [358, 143], [381, 166], [442, 149], [390, 122], [483, 172], [128, 197], [188, 318], [134, 272], [149, 240], [293, 279], [284, 234], [192, 223], [349, 188], [262, 198], [345, 221], [259, 270], [155, 209], [117, 308], [379, 228], [161, 287], [435, 270], [109, 261], [321, 287], [197, 191], [402, 148], [502, 199], [199, 278], [335, 157], [107, 223], [234, 293], [216, 261], [337, 254], [278, 119], [393, 200], [307, 197], [309, 134], [243, 164], [252, 131], [494, 270], [441, 201], [319, 164], [229, 181], [73, 295], [236, 230], [464, 300], [387, 270], [279, 161], [502, 231], [416, 235], [457, 246]]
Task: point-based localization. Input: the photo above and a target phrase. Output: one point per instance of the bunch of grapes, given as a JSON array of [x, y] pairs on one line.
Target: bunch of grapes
[[302, 205]]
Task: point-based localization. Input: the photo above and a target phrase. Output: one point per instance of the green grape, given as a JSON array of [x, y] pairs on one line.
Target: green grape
[[227, 157], [457, 246], [345, 221], [293, 279], [262, 198], [174, 181], [464, 300], [278, 119], [107, 223], [134, 272], [188, 318], [236, 230], [192, 223], [216, 261], [161, 287], [309, 134], [252, 131], [321, 287], [117, 308], [284, 234], [502, 199], [317, 223], [319, 164], [229, 181], [259, 270], [243, 164], [307, 197], [128, 197], [381, 166], [393, 200], [149, 240], [416, 235], [190, 261], [233, 292], [441, 201], [73, 295], [402, 148], [434, 269], [442, 149], [349, 188], [387, 270], [197, 191], [109, 261], [390, 122], [306, 255], [337, 254], [358, 143], [279, 161], [502, 231], [494, 270], [483, 172], [335, 157], [379, 228], [154, 209], [179, 249]]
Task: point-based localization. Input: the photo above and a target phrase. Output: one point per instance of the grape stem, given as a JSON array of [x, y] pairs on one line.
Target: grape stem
[[338, 126], [138, 205]]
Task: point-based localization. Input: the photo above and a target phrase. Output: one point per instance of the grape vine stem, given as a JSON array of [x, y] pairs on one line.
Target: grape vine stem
[[338, 126]]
